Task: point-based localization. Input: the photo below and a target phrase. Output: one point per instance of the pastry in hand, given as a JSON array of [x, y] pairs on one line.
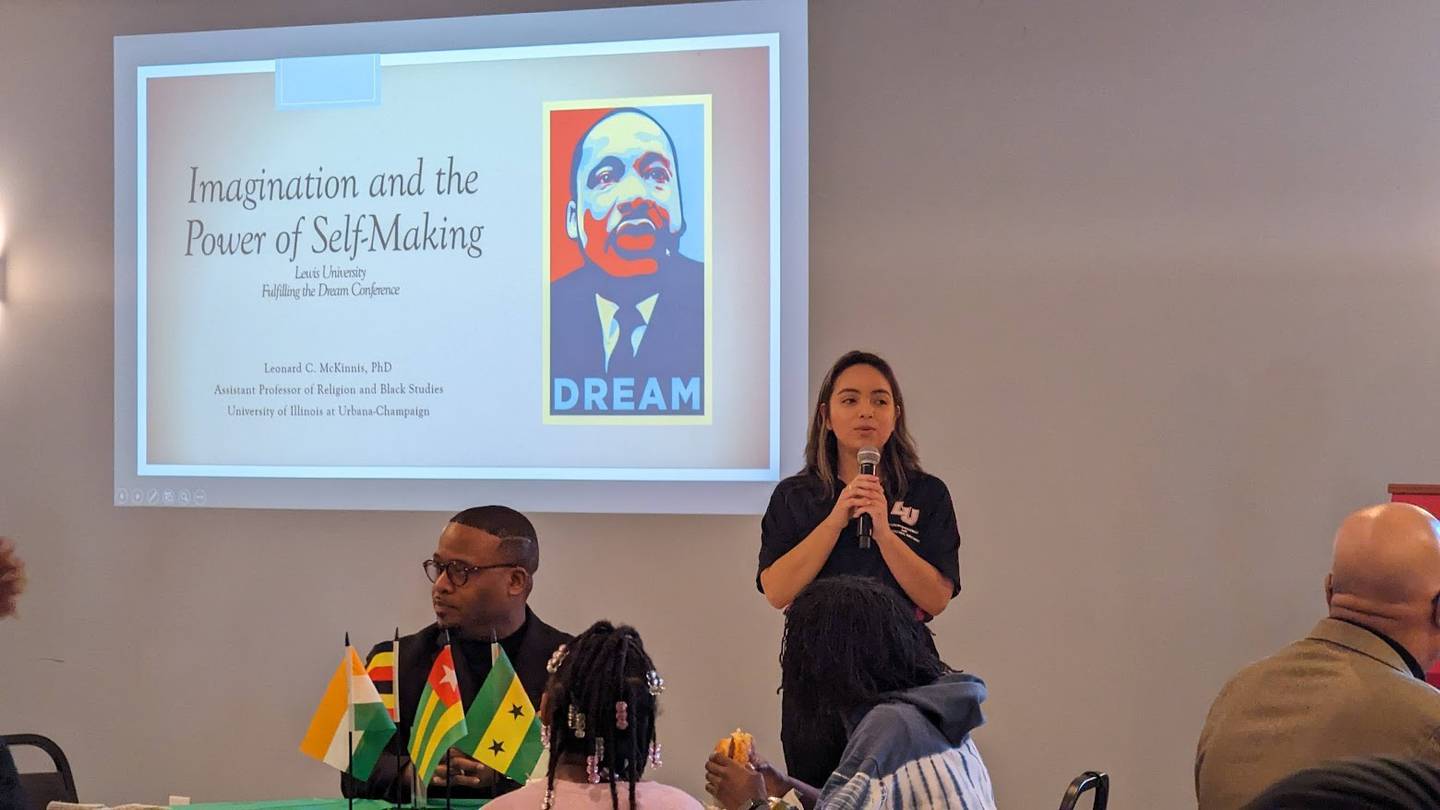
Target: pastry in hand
[[736, 745]]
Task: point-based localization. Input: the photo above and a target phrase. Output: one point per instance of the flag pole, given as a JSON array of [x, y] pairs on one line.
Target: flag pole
[[447, 779], [395, 693], [415, 768], [415, 787], [350, 720], [447, 750]]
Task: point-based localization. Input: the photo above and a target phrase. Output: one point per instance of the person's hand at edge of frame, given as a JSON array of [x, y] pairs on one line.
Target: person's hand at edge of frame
[[12, 577]]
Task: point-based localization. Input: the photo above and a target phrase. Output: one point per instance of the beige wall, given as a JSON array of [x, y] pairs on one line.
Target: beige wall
[[1160, 280]]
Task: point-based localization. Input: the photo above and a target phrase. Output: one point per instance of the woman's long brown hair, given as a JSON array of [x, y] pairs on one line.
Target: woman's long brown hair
[[899, 461]]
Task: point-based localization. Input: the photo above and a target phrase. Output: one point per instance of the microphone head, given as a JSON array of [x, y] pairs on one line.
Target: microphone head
[[868, 455]]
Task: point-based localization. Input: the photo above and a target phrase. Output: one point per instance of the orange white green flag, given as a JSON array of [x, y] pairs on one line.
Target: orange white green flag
[[351, 726], [439, 718]]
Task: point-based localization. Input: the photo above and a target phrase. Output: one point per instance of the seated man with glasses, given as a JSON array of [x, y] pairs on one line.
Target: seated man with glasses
[[482, 573]]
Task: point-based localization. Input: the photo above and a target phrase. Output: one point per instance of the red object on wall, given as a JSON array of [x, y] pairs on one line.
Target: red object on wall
[[1427, 497]]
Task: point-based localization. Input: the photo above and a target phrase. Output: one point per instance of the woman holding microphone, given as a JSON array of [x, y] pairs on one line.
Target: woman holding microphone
[[812, 527]]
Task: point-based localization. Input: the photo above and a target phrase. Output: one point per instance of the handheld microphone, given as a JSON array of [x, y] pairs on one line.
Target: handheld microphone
[[868, 457]]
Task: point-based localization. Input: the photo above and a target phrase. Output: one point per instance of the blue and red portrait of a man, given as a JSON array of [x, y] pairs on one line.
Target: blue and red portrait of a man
[[627, 309]]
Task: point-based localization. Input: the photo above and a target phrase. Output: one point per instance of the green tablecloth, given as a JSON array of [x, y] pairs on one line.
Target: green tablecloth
[[333, 804]]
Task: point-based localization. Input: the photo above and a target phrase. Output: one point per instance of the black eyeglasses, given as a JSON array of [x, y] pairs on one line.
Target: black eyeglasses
[[458, 572]]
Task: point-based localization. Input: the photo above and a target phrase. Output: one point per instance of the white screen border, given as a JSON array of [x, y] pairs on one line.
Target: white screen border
[[767, 23]]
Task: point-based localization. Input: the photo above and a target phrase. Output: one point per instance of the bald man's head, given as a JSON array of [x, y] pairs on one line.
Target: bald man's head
[[1386, 574]]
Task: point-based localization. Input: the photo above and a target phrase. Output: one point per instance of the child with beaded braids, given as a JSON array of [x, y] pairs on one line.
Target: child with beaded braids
[[598, 715]]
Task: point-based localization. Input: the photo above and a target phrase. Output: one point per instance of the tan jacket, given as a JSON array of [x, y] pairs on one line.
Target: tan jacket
[[1339, 692]]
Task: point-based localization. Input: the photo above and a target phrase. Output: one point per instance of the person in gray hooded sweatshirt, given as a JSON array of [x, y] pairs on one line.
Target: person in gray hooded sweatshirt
[[853, 651]]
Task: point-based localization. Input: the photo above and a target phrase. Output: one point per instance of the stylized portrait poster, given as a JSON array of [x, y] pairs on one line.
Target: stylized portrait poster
[[627, 310], [576, 277]]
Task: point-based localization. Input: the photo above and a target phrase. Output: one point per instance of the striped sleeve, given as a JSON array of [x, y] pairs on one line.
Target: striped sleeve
[[954, 778]]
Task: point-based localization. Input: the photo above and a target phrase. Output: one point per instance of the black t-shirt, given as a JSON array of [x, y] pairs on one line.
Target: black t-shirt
[[925, 517]]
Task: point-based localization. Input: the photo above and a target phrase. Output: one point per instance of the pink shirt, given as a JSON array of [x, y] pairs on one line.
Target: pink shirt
[[568, 795]]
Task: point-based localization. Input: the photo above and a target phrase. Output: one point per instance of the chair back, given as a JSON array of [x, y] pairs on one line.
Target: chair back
[[43, 787], [1089, 780]]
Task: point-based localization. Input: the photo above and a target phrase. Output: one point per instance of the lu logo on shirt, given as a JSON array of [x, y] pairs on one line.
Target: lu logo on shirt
[[909, 516]]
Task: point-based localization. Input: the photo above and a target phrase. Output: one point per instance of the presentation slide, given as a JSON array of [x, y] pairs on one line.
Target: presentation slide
[[556, 259]]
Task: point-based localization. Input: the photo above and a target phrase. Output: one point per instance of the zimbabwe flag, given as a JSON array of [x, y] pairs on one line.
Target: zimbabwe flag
[[381, 670], [504, 729], [439, 719]]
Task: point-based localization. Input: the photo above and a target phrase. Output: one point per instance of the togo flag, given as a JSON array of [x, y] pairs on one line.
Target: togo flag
[[504, 730], [351, 704], [439, 719]]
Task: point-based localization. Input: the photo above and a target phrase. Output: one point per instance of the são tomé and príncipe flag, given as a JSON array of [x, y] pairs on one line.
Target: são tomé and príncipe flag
[[504, 729]]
